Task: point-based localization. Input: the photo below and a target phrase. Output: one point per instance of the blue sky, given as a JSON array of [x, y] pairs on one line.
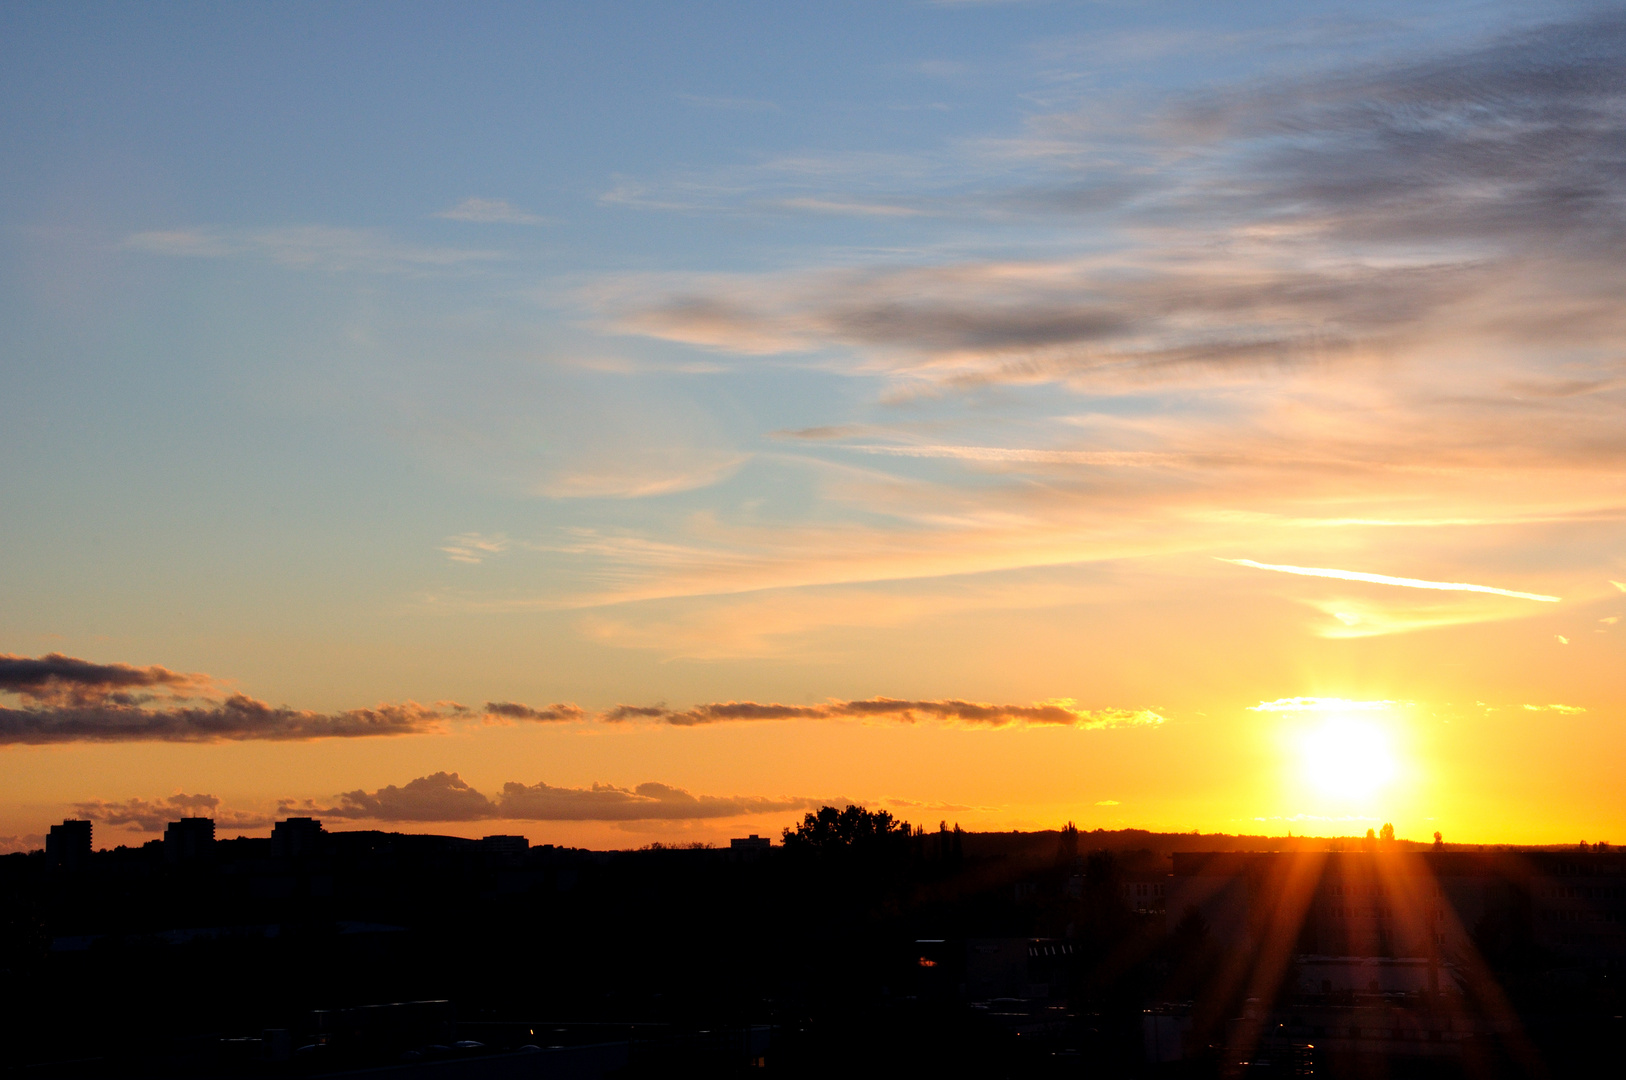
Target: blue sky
[[618, 353]]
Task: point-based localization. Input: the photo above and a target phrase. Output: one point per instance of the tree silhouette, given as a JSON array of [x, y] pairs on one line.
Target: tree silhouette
[[1439, 841], [1068, 846], [855, 827], [1387, 835]]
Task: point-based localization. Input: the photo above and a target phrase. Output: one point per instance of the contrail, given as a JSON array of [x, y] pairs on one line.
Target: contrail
[[1385, 579]]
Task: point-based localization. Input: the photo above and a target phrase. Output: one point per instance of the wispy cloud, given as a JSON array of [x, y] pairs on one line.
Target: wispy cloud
[[1023, 455], [850, 207], [1385, 579], [1332, 299], [1567, 710], [490, 212], [635, 474], [1321, 704], [310, 247], [474, 548]]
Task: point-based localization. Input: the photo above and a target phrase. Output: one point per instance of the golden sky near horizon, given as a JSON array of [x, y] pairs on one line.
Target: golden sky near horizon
[[1178, 419]]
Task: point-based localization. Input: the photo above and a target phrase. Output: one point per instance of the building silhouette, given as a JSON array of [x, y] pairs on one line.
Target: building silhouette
[[296, 837], [189, 839], [67, 846]]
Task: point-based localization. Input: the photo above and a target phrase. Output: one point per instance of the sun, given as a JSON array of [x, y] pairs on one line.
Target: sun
[[1347, 758]]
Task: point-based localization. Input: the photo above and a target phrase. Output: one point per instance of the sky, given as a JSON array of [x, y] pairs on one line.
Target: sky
[[625, 423]]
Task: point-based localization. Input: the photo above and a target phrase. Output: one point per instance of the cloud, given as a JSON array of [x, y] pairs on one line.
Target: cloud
[[142, 815], [72, 700], [1567, 710], [1514, 138], [1320, 704], [1108, 802], [634, 473], [310, 247], [1004, 454], [474, 548], [1355, 216], [490, 212], [1621, 585], [66, 699], [1062, 712], [603, 802], [1384, 579], [824, 431], [823, 624], [441, 796], [58, 680], [445, 796], [237, 719], [849, 208], [559, 711]]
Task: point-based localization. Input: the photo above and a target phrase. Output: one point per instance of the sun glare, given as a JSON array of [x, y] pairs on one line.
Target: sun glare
[[1346, 758]]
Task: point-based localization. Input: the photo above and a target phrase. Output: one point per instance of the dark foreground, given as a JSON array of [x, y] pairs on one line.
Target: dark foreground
[[858, 952]]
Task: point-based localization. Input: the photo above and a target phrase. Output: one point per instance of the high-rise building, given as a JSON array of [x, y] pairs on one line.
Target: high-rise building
[[189, 839], [68, 845], [296, 837]]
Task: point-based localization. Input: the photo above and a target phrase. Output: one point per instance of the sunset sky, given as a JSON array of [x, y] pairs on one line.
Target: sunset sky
[[621, 423]]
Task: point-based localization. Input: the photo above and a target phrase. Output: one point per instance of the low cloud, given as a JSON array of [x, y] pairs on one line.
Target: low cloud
[[72, 700], [446, 796], [66, 681], [239, 718], [142, 815], [1062, 712], [603, 802], [66, 699], [558, 711]]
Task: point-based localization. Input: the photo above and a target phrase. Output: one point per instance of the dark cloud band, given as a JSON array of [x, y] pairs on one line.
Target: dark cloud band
[[445, 796], [70, 700], [971, 713]]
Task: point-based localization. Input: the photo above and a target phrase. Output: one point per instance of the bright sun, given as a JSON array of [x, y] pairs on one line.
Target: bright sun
[[1346, 758]]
